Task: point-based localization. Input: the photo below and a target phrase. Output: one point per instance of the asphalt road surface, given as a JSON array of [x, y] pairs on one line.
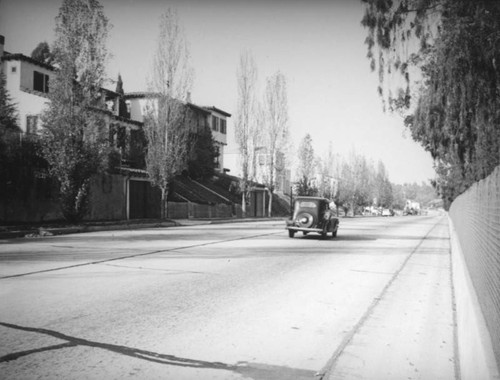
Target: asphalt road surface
[[231, 301]]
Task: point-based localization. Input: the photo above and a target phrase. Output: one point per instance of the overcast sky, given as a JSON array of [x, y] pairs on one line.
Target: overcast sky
[[317, 45]]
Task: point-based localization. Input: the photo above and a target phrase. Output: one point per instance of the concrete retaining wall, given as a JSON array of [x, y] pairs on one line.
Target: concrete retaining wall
[[475, 238], [108, 199]]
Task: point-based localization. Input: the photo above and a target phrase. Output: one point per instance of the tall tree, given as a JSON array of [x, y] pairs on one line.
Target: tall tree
[[246, 125], [306, 167], [328, 173], [383, 187], [446, 52], [356, 183], [201, 163], [167, 115], [275, 134], [122, 105], [74, 138]]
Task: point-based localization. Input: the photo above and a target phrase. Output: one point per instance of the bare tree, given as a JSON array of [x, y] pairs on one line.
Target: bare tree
[[246, 121], [275, 133], [306, 167], [166, 114]]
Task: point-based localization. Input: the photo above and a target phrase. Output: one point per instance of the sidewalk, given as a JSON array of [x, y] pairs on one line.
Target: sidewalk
[[50, 229], [408, 332]]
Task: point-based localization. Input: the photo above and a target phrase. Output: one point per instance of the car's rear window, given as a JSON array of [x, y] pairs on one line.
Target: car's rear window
[[306, 204]]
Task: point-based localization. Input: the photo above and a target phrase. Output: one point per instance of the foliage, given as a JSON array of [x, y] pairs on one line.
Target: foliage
[[328, 174], [446, 51], [21, 167], [167, 139], [356, 183], [305, 187], [306, 157], [383, 187], [74, 142], [422, 193], [166, 115], [20, 161], [201, 165], [8, 112], [42, 53]]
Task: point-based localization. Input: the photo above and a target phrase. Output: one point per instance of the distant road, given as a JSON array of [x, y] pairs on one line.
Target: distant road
[[229, 301]]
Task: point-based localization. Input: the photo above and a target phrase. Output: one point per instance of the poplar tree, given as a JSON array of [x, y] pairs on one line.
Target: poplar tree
[[246, 126], [306, 165], [75, 142], [167, 119], [275, 134]]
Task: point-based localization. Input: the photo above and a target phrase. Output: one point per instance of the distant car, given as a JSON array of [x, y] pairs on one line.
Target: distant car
[[387, 212], [312, 214]]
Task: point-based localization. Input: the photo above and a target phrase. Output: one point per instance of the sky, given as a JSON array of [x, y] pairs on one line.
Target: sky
[[317, 45]]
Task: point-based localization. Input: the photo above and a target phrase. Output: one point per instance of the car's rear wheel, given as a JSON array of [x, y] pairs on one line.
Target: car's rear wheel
[[335, 229], [291, 233]]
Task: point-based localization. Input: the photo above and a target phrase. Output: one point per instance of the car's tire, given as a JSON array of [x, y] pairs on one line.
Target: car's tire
[[291, 233]]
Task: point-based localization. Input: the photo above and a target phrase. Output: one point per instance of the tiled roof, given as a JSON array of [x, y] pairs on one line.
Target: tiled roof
[[139, 95], [22, 57], [212, 108], [140, 173], [198, 108]]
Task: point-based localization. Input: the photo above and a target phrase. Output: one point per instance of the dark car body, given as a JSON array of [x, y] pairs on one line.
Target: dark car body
[[312, 214]]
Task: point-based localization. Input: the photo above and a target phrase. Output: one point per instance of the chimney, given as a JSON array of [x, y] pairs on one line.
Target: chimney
[[2, 43], [188, 97]]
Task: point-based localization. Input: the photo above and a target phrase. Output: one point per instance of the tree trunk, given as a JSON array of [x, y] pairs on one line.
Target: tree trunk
[[163, 209], [270, 206], [244, 203]]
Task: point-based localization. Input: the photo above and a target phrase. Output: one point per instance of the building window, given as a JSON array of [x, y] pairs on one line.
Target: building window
[[217, 156], [31, 124], [223, 126], [40, 82], [13, 69], [215, 124]]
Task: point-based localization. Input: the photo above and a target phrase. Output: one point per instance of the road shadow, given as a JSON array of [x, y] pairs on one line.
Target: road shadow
[[255, 371]]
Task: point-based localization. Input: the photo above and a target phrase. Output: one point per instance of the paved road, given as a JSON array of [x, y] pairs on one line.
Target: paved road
[[230, 301]]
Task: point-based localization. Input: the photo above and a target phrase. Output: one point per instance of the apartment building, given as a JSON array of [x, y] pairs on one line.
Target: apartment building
[[126, 194], [212, 116]]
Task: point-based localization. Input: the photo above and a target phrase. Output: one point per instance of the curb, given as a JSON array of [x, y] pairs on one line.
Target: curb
[[52, 231]]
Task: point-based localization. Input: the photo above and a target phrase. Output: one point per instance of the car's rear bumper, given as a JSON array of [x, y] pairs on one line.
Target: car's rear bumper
[[295, 228]]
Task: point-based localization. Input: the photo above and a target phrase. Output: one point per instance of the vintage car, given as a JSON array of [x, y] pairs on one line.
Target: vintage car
[[313, 214]]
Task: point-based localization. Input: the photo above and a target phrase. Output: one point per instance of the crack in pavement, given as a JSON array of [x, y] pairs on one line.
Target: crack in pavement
[[172, 271], [330, 364], [136, 255]]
